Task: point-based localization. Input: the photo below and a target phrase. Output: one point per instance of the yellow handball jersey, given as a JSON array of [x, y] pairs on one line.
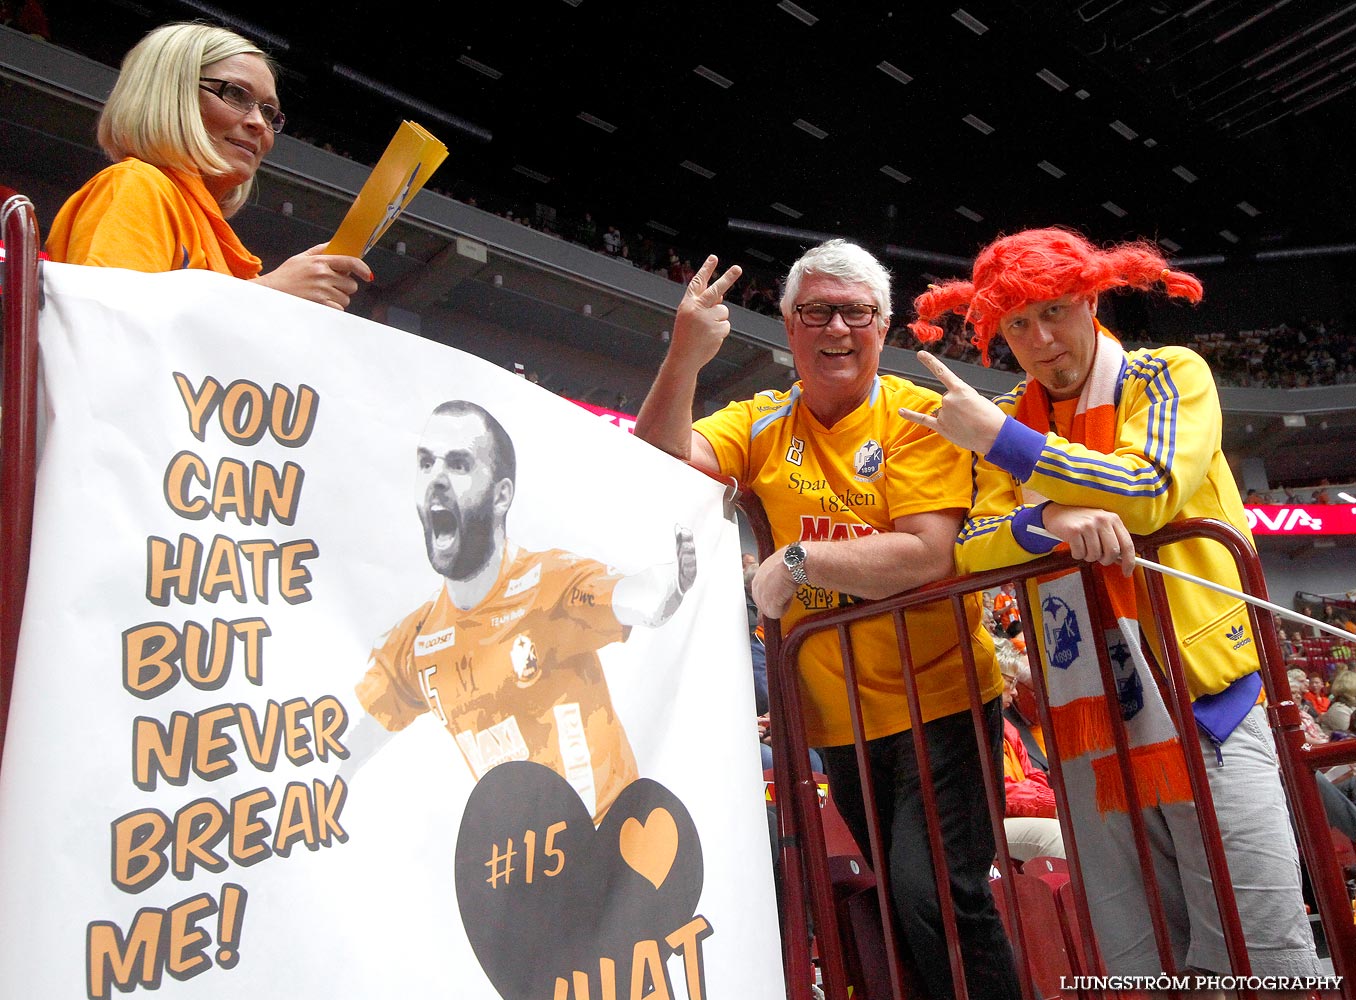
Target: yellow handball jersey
[[517, 677], [838, 483]]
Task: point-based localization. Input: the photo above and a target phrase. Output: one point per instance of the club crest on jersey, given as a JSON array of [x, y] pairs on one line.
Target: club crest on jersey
[[523, 656], [868, 461]]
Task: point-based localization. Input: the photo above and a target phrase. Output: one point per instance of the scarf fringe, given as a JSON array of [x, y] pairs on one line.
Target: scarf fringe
[[1160, 777], [1082, 726]]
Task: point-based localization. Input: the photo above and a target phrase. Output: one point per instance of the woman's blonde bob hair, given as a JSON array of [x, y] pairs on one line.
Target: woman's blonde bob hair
[[153, 113]]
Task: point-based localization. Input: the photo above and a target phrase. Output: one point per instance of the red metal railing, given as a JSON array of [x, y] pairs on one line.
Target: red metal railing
[[799, 812], [18, 429], [802, 847]]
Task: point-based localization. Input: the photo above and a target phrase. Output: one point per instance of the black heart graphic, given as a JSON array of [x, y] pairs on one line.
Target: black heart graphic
[[544, 896]]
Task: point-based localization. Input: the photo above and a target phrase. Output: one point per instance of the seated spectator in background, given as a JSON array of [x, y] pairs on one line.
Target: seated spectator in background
[[1021, 711], [1255, 497], [765, 738], [1299, 688], [192, 115], [757, 652], [587, 231], [26, 16], [1029, 802], [1343, 699], [1006, 612], [1316, 696], [1292, 645]]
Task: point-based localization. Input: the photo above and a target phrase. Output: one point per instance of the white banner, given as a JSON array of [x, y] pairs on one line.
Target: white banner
[[281, 614]]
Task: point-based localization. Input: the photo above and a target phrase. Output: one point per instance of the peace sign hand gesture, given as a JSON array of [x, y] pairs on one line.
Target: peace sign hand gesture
[[703, 319], [965, 418]]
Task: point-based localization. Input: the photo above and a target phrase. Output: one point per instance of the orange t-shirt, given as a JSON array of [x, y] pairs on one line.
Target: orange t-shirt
[[145, 218]]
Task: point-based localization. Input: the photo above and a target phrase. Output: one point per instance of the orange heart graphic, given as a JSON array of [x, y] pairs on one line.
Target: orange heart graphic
[[650, 848]]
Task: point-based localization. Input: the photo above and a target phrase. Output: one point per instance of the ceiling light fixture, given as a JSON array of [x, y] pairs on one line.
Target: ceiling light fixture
[[714, 77], [1052, 80], [479, 67], [275, 42], [970, 21], [423, 107], [597, 122], [798, 12], [978, 124], [894, 72]]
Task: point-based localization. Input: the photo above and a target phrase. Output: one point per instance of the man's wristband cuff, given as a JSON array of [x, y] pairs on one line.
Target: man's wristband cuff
[[1017, 449], [1022, 523]]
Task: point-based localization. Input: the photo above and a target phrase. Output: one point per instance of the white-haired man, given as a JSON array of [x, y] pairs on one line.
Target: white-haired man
[[862, 506]]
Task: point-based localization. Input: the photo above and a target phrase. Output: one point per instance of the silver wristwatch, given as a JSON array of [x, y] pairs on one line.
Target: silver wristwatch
[[794, 558]]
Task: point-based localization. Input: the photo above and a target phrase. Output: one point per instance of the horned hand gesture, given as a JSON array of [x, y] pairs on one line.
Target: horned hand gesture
[[965, 418], [703, 319]]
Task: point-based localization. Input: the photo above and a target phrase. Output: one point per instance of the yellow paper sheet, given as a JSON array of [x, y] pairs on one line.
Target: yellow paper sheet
[[410, 159]]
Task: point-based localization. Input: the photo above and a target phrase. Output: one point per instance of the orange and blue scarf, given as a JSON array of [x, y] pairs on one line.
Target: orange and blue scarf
[[1078, 703]]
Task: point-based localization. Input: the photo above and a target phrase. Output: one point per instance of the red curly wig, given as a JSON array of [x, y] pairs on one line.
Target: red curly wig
[[1038, 265]]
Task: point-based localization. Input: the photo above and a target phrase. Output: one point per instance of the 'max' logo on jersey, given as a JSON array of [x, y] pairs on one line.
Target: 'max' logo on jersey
[[425, 644], [819, 529]]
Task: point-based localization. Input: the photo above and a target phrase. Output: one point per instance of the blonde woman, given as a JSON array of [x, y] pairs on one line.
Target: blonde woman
[[1343, 701], [193, 113]]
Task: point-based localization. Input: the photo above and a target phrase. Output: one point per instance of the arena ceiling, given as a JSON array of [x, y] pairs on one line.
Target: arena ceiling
[[920, 128]]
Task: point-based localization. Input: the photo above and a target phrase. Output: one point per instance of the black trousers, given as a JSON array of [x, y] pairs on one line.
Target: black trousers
[[967, 838]]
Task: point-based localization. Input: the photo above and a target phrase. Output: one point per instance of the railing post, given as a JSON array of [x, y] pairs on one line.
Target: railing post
[[18, 429]]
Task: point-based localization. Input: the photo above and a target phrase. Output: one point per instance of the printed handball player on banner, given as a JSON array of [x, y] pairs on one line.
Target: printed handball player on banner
[[1095, 445], [505, 654]]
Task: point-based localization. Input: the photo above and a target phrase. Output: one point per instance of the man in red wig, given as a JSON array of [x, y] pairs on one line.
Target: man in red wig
[[1098, 444]]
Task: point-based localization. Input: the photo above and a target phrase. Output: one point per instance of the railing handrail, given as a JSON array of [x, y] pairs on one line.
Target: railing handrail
[[1298, 759]]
